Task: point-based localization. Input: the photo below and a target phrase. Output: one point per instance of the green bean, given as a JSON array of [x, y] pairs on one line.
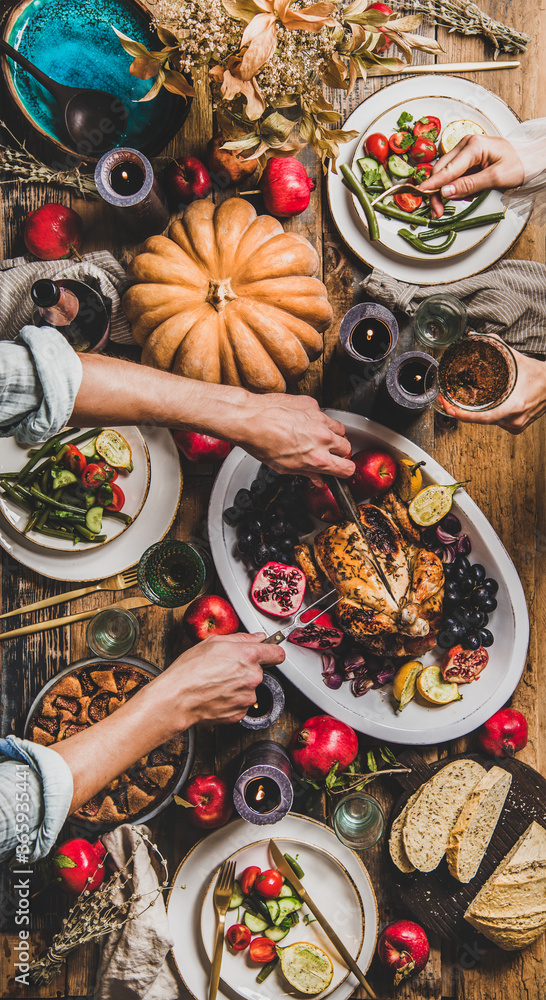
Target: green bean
[[64, 515], [56, 532], [395, 213], [119, 515], [31, 521], [417, 243], [10, 475], [44, 450], [56, 504], [453, 226], [85, 435], [295, 866], [266, 970], [356, 187], [17, 493]]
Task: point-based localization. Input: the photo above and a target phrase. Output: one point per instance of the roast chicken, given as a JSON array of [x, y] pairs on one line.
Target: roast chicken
[[399, 625]]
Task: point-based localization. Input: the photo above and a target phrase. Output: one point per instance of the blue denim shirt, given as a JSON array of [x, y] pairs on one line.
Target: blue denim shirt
[[40, 375]]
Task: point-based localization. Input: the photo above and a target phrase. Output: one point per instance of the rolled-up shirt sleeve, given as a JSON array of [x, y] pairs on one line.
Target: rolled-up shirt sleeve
[[36, 790], [40, 375]]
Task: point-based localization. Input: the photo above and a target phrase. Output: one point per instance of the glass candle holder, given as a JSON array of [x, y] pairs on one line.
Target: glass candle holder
[[263, 792], [112, 632], [358, 821], [440, 320], [125, 180], [268, 705], [407, 380], [171, 574], [368, 333]]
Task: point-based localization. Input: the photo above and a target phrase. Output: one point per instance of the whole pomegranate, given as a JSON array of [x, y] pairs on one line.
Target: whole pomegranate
[[403, 948], [504, 733], [53, 231], [228, 166], [320, 743], [79, 865], [286, 187]]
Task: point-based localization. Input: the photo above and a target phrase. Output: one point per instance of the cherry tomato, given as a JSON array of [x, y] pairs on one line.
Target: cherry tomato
[[423, 150], [118, 500], [94, 475], [269, 883], [262, 950], [74, 460], [377, 145], [421, 173], [429, 126], [239, 936], [463, 665], [109, 471], [401, 142], [248, 878], [408, 202]]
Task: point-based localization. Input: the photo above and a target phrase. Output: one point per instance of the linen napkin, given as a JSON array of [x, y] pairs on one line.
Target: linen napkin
[[133, 963], [508, 299], [18, 275]]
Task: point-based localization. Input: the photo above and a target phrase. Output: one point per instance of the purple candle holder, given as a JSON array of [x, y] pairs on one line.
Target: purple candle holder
[[263, 792], [406, 375], [125, 180], [368, 333], [268, 706]]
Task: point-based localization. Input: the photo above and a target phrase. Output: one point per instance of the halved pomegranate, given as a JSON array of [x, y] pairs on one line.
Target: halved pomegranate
[[464, 665], [321, 634], [278, 589]]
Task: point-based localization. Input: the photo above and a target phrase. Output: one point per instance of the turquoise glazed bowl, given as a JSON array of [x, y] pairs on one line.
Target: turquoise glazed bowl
[[72, 41]]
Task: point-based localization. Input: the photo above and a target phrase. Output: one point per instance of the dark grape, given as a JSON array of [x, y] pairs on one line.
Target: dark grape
[[453, 589], [491, 585], [451, 524], [278, 528], [448, 622], [259, 488], [449, 571], [245, 544], [474, 617], [479, 596], [485, 620], [276, 554], [461, 562], [232, 516], [459, 631], [286, 544], [486, 637], [472, 641], [260, 555], [489, 605], [445, 639], [466, 585], [262, 472], [255, 525], [243, 500], [477, 573]]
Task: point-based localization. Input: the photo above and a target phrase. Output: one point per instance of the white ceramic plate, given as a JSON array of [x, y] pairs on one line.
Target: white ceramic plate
[[331, 888], [153, 523], [135, 486], [447, 110], [432, 270], [374, 713], [193, 878]]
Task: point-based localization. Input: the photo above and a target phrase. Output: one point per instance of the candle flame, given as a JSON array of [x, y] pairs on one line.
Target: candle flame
[[260, 794]]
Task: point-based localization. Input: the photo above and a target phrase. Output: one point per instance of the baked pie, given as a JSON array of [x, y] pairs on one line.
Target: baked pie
[[86, 696]]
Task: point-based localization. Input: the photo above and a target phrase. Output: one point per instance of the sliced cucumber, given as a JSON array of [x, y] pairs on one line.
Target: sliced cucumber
[[254, 922], [273, 908], [88, 449], [367, 163], [237, 896], [286, 906], [286, 891], [399, 167], [62, 478], [93, 519], [275, 933], [385, 179]]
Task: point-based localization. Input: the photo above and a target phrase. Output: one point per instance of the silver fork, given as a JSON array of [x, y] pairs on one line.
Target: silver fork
[[223, 891], [121, 581]]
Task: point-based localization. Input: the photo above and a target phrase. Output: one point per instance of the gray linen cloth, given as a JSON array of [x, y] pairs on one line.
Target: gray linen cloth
[[509, 299], [133, 964], [18, 275]]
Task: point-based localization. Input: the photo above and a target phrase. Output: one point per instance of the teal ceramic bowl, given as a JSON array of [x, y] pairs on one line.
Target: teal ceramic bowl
[[73, 43]]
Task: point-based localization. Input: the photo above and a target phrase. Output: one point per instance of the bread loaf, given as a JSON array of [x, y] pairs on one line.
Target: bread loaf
[[396, 843], [470, 837], [510, 909]]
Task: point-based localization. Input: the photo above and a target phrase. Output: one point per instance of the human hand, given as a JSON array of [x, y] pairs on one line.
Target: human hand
[[292, 434], [526, 403], [498, 166]]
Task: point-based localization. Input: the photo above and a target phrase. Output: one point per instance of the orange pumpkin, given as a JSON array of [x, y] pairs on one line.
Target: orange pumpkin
[[228, 297]]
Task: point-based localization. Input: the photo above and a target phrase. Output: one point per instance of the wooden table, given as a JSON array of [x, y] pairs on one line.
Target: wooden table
[[507, 483]]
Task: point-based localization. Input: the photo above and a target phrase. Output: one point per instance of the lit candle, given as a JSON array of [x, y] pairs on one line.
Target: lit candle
[[263, 791], [407, 382], [125, 179], [268, 705], [368, 333]]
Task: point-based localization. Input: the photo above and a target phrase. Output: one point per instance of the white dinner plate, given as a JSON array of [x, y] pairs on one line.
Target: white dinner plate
[[151, 525], [374, 713], [447, 109], [134, 484], [430, 270], [331, 888], [193, 877]]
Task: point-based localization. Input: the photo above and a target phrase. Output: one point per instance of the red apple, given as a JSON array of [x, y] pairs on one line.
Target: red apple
[[210, 615], [383, 42], [201, 447], [186, 179], [228, 165], [321, 502], [212, 799], [374, 474], [53, 231]]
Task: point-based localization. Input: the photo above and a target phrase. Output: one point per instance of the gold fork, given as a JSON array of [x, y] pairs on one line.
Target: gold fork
[[223, 891], [121, 581]]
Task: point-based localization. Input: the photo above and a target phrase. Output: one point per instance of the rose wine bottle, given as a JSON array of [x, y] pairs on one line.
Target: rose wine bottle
[[73, 308]]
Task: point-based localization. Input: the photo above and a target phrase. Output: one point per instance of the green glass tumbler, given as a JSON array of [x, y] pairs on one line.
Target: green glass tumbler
[[171, 574]]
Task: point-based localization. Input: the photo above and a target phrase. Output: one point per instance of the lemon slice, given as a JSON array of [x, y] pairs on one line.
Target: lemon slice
[[403, 685], [432, 504], [455, 131], [409, 479], [433, 688], [306, 967], [114, 449]]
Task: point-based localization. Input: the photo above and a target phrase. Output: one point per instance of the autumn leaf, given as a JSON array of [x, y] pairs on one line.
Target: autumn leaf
[[167, 37], [144, 68], [260, 35], [135, 49], [176, 83], [155, 88]]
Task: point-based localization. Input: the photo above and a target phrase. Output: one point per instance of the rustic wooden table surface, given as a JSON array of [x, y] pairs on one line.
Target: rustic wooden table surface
[[507, 482]]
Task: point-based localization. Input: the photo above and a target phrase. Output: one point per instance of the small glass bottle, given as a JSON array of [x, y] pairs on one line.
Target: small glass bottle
[[73, 308]]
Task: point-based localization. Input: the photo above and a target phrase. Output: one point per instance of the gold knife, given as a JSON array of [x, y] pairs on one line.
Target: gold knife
[[349, 510], [128, 602], [286, 870]]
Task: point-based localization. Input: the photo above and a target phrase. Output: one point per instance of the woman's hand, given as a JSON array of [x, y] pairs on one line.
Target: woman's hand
[[495, 164], [526, 403]]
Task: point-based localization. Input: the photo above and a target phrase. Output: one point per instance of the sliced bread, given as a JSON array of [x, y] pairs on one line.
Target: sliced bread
[[396, 843], [510, 909], [432, 816], [470, 837]]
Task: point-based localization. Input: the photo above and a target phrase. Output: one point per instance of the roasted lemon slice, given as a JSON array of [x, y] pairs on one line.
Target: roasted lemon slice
[[455, 131], [114, 449], [433, 688], [432, 504], [403, 685], [306, 967], [408, 479]]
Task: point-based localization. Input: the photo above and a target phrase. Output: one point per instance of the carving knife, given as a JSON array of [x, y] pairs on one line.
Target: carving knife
[[286, 870], [349, 510]]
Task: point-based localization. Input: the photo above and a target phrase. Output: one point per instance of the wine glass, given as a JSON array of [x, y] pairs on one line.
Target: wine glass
[[440, 320]]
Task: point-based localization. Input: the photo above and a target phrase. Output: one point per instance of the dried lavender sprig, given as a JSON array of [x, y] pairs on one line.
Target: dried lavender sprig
[[469, 19], [21, 166]]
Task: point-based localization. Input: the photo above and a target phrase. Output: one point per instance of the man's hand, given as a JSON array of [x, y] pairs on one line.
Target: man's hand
[[499, 166]]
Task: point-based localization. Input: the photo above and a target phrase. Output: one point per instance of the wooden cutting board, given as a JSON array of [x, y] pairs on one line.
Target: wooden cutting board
[[436, 899]]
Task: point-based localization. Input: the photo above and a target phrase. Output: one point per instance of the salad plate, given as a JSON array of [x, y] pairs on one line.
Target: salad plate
[[192, 880], [481, 106], [375, 712], [334, 892], [135, 486]]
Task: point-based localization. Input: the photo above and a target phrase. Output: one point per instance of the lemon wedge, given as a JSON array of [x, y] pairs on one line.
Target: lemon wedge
[[306, 967], [111, 446], [455, 131], [433, 688], [409, 479], [432, 504], [403, 685]]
